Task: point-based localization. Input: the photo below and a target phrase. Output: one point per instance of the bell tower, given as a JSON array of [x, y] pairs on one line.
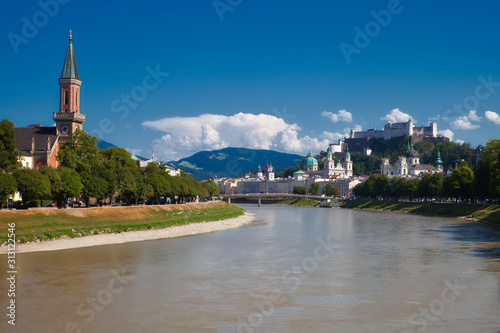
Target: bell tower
[[68, 119]]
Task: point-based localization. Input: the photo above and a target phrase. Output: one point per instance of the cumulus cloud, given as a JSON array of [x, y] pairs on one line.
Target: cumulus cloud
[[184, 136], [133, 151], [446, 133], [493, 117], [397, 116], [460, 141], [356, 127], [342, 115], [463, 123], [473, 116]]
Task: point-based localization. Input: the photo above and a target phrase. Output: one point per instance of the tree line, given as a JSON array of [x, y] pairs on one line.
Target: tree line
[[463, 183], [87, 172]]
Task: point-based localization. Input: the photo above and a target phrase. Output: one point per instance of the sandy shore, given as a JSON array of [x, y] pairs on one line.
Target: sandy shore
[[133, 236]]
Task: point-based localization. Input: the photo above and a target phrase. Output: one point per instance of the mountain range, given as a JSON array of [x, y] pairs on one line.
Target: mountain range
[[229, 162]]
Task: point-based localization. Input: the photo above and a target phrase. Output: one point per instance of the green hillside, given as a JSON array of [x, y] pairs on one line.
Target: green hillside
[[229, 162]]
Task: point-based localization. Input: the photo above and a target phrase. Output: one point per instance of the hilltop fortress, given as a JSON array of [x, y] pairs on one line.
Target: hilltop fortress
[[359, 140]]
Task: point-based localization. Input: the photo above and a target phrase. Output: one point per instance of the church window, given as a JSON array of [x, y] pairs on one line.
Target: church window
[[76, 98], [66, 97]]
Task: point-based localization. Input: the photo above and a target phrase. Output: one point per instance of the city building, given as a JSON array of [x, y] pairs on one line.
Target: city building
[[409, 165]]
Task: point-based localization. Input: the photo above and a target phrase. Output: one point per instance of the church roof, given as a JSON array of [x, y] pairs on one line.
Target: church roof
[[310, 160], [70, 71], [24, 137], [412, 153]]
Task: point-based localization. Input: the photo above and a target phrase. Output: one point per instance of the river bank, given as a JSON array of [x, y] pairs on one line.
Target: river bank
[[487, 213], [43, 225]]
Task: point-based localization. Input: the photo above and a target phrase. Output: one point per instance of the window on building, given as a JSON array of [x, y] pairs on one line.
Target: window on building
[[76, 98], [66, 97]]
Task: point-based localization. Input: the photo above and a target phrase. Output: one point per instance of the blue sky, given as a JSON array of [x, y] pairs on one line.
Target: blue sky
[[284, 75]]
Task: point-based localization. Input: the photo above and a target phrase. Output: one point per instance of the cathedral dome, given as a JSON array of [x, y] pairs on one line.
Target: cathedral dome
[[412, 153], [310, 160]]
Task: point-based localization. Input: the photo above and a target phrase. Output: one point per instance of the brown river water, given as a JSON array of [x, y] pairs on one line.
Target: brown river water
[[295, 270]]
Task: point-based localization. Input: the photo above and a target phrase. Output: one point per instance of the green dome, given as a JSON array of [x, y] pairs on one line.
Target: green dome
[[310, 160]]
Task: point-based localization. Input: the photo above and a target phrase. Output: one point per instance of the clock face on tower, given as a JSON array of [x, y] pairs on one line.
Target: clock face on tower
[[65, 129]]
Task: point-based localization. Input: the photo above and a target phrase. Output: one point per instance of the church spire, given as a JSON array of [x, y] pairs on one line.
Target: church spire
[[69, 118], [70, 71]]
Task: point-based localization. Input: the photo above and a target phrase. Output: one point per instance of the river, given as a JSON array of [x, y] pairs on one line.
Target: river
[[295, 270]]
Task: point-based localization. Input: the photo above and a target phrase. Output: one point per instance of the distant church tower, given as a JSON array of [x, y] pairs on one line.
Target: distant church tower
[[348, 164], [69, 118]]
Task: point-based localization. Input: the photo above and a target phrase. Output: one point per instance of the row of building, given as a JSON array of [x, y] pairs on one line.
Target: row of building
[[339, 175]]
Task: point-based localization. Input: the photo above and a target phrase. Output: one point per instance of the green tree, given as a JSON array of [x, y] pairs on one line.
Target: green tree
[[482, 185], [299, 190], [287, 172], [491, 156], [359, 190], [8, 186], [193, 188], [71, 184], [460, 182], [117, 158], [9, 156], [140, 184], [331, 191], [127, 187], [363, 164], [93, 187], [314, 188], [431, 185], [80, 153], [211, 188], [54, 178], [410, 188], [31, 184], [110, 179], [159, 184]]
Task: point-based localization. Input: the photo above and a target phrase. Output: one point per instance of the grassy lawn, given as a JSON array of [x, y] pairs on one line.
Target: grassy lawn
[[298, 202], [490, 213], [35, 225]]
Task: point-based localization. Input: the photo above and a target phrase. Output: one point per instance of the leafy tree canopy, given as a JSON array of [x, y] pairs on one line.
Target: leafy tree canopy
[[9, 156]]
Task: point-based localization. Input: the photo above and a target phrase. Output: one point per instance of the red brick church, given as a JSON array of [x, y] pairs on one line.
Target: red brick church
[[39, 145]]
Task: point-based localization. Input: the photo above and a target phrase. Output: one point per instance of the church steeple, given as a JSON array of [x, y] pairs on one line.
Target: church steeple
[[70, 71], [69, 118]]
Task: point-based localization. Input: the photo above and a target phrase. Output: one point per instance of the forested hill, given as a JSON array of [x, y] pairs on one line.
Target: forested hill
[[229, 162]]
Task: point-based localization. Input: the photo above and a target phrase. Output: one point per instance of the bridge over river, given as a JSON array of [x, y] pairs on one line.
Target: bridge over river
[[259, 196]]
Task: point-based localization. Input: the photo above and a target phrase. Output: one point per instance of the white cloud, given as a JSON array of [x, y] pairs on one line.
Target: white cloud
[[356, 127], [342, 115], [184, 136], [435, 118], [446, 133], [133, 151], [463, 123], [473, 116], [397, 116], [460, 141], [493, 117]]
